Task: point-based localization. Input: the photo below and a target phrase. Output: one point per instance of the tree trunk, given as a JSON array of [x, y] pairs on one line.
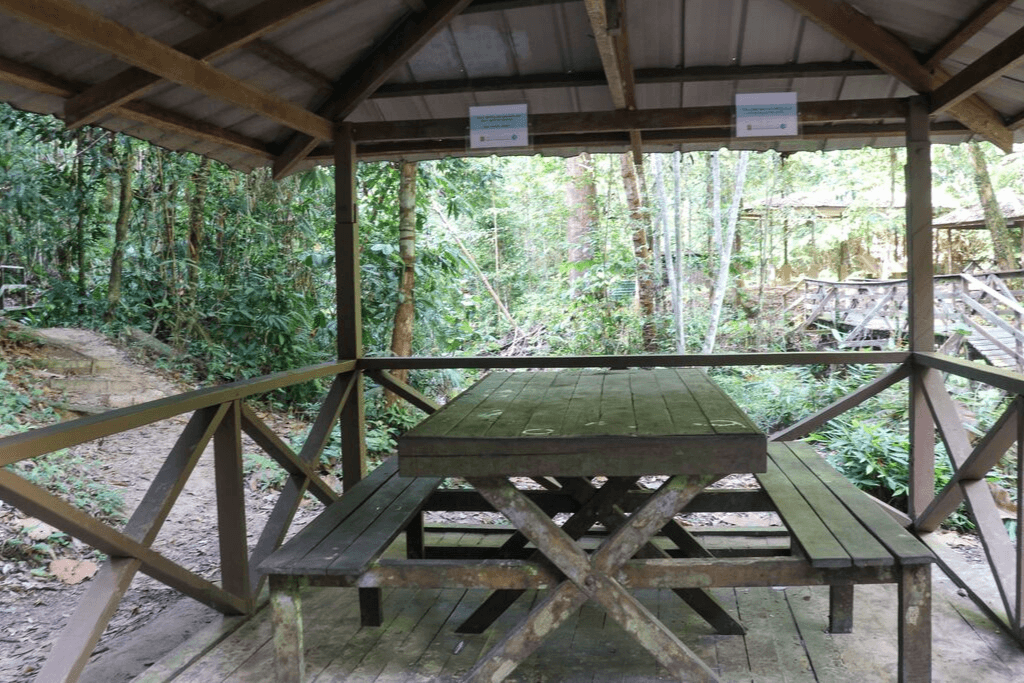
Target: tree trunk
[[677, 295], [81, 138], [196, 223], [641, 251], [668, 254], [124, 215], [726, 239], [581, 195], [1001, 244], [401, 334]]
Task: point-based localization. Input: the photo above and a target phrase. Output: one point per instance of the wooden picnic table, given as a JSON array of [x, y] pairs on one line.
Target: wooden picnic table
[[564, 429]]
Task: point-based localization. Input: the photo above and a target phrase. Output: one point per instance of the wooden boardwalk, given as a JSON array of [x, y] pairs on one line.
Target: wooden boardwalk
[[986, 310], [786, 641]]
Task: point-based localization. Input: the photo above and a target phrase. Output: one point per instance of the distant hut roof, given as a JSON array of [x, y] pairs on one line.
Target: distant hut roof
[[972, 217]]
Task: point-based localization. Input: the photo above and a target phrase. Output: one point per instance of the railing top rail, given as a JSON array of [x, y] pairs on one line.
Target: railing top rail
[[66, 434], [885, 283], [1007, 380], [634, 361]]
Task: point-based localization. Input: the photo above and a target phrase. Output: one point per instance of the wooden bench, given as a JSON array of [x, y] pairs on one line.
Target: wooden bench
[[845, 535], [338, 547]]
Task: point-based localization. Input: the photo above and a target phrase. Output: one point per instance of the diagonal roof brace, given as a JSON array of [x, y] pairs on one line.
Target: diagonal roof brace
[[91, 29], [862, 34], [370, 71]]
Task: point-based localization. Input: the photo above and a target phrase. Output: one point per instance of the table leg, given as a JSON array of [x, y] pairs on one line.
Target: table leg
[[590, 577], [915, 624], [701, 601], [594, 505]]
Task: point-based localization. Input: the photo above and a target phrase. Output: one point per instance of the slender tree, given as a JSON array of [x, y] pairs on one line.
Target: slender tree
[[669, 256], [724, 239], [124, 216], [581, 195], [401, 335], [641, 249], [1001, 244], [196, 224]]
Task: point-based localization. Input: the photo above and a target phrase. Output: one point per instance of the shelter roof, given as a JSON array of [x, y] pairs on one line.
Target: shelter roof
[[254, 83]]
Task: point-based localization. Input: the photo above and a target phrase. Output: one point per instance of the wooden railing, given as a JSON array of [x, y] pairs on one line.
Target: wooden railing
[[221, 415], [982, 308], [218, 414], [13, 285]]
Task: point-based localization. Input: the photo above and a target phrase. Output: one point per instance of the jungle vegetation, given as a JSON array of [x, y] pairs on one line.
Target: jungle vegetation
[[502, 255]]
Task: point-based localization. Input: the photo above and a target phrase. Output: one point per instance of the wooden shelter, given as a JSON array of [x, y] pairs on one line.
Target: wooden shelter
[[292, 83]]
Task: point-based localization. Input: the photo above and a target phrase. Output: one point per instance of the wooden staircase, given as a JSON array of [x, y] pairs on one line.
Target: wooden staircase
[[983, 311]]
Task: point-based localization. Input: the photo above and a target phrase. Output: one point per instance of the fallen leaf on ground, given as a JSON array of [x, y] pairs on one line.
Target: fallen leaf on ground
[[37, 530], [73, 572]]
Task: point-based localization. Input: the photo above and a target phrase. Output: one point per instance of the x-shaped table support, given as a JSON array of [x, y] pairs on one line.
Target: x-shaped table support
[[591, 577], [601, 506]]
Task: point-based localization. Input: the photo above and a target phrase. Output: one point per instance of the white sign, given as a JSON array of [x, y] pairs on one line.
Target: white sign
[[766, 115], [503, 125]]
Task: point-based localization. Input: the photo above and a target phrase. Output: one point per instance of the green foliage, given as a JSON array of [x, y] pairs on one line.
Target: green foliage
[[71, 477], [868, 444], [263, 472]]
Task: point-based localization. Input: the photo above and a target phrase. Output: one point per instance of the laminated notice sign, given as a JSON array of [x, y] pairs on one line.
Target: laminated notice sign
[[503, 125], [766, 114]]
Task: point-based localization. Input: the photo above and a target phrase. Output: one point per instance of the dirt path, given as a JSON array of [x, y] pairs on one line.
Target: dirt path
[[89, 374]]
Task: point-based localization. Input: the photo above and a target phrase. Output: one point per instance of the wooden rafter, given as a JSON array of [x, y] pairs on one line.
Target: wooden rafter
[[862, 34], [222, 36], [86, 27], [612, 40], [38, 80], [979, 73], [502, 5], [964, 32], [370, 71], [581, 79], [617, 139], [625, 120]]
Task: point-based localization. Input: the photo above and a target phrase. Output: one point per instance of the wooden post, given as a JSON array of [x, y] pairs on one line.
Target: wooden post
[[349, 302], [228, 480], [920, 300]]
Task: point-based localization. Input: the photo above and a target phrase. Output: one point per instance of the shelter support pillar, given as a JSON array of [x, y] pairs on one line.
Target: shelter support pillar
[[920, 301], [349, 299]]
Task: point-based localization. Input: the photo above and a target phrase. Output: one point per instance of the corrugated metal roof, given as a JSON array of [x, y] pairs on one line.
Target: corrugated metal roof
[[300, 61]]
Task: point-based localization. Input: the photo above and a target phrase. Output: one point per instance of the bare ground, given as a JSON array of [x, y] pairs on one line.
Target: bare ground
[[36, 605]]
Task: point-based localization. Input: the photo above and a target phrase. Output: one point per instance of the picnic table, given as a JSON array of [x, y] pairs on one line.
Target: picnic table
[[569, 428], [624, 449]]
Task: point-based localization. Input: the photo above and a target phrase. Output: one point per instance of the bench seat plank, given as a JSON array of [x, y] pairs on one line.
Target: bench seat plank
[[374, 540], [809, 533], [352, 533], [863, 547], [906, 548], [313, 533]]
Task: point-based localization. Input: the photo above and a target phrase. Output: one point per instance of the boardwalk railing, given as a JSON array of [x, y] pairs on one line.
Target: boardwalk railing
[[221, 415], [981, 310], [13, 289]]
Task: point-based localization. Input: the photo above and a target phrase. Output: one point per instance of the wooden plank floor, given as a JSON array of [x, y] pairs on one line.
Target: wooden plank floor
[[786, 641]]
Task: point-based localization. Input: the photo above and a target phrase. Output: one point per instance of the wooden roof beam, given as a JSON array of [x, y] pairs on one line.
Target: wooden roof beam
[[692, 74], [91, 29], [38, 80], [370, 71], [624, 120], [979, 20], [862, 34], [978, 73], [608, 23], [563, 141], [241, 30]]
